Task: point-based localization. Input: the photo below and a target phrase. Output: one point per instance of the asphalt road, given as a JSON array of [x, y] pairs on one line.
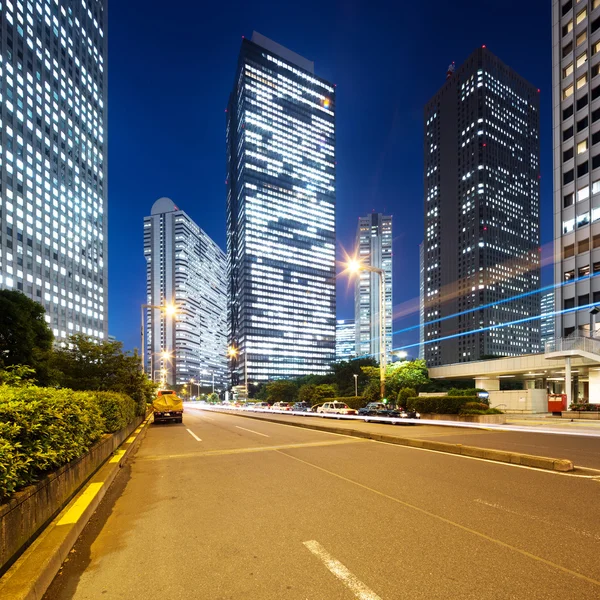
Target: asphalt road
[[247, 509], [583, 451]]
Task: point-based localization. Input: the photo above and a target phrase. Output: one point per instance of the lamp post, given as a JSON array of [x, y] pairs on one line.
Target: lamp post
[[354, 266], [233, 353], [355, 385], [170, 310]]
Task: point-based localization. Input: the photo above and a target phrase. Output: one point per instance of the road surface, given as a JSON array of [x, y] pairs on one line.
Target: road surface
[[223, 507]]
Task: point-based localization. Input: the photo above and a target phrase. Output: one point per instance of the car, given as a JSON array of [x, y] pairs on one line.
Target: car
[[282, 406], [301, 407], [336, 408], [259, 406], [380, 409]]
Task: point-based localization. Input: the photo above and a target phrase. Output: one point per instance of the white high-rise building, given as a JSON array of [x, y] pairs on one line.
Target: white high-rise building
[[53, 240], [576, 125], [186, 268], [373, 248], [345, 339]]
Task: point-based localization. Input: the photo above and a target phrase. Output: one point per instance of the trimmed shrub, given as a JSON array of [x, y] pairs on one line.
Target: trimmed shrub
[[404, 394], [41, 430], [118, 410], [475, 406], [584, 406], [439, 405], [486, 411]]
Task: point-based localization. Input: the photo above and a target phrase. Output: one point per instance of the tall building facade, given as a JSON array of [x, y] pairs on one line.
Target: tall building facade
[[186, 268], [482, 200], [576, 129], [548, 318], [421, 301], [345, 339], [373, 248], [53, 241], [280, 215]]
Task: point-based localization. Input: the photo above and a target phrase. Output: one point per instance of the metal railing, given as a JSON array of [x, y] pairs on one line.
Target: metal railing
[[584, 344]]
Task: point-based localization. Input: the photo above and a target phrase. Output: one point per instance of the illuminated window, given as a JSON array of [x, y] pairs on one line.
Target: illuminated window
[[568, 70], [581, 81], [581, 37], [582, 146], [581, 59], [568, 92], [568, 27], [581, 15]]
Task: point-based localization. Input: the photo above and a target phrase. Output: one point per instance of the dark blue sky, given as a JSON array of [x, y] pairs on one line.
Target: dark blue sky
[[171, 67]]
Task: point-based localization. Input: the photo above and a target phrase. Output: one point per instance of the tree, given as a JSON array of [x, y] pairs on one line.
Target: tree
[[404, 394], [17, 376], [324, 391], [372, 391], [213, 398], [306, 393], [281, 390], [405, 374], [344, 371], [88, 364], [25, 338]]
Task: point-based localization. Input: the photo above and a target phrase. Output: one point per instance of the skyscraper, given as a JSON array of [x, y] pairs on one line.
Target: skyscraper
[[280, 215], [482, 198], [421, 301], [548, 318], [576, 122], [345, 339], [53, 160], [373, 248], [185, 267]]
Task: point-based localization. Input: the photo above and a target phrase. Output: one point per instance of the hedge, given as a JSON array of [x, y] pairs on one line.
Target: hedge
[[439, 405], [42, 429]]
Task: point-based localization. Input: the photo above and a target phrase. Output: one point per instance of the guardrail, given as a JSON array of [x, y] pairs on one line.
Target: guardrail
[[584, 344]]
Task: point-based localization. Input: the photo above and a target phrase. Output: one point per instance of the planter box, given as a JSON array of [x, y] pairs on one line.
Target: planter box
[[496, 419], [24, 516], [580, 414]]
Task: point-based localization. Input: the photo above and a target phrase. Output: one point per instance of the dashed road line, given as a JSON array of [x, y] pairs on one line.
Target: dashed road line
[[355, 585], [194, 435], [252, 431]]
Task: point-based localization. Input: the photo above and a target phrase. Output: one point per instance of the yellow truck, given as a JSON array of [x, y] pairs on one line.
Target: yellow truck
[[167, 406]]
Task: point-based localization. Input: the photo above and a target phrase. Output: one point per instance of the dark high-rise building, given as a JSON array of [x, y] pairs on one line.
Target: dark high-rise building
[[280, 215], [482, 199], [53, 218]]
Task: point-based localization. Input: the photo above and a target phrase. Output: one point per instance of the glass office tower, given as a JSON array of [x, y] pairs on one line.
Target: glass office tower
[[280, 215], [345, 339], [482, 223], [53, 244]]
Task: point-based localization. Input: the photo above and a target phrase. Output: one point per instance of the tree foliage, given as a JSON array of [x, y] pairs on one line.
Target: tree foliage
[[86, 364], [25, 338], [281, 390]]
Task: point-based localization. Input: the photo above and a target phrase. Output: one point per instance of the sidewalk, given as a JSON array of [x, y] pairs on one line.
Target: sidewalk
[[547, 421]]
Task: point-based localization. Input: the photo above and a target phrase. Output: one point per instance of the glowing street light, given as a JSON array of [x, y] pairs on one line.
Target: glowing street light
[[355, 266], [233, 353], [170, 309]]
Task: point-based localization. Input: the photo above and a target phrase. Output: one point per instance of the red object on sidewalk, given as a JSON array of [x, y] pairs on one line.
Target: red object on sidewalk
[[557, 403]]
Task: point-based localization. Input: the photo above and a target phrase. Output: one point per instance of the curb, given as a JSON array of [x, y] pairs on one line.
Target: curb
[[562, 465], [34, 571]]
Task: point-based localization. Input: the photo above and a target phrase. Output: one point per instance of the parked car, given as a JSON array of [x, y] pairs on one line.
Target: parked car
[[337, 408], [259, 406], [282, 406], [379, 409], [301, 406]]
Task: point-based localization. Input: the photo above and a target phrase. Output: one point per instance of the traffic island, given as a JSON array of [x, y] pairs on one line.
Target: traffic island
[[32, 573], [528, 460]]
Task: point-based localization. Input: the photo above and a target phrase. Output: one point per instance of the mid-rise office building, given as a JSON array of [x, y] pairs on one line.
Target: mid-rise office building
[[280, 215], [576, 125], [345, 339], [185, 268], [548, 318], [482, 200], [373, 248], [53, 239], [421, 301]]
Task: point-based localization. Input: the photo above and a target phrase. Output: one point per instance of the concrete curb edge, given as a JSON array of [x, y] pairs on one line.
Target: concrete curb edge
[[34, 571], [561, 465]]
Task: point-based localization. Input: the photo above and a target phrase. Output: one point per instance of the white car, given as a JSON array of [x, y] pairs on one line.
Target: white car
[[336, 408]]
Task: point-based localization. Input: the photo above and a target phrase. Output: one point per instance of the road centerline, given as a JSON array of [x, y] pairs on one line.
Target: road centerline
[[252, 431], [193, 435], [355, 585]]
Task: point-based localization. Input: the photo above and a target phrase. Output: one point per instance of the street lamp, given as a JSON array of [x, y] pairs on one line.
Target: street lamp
[[355, 385], [233, 353], [170, 310], [355, 266]]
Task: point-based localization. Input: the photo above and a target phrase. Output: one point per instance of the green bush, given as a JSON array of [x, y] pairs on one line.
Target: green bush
[[404, 394], [41, 430], [584, 406], [118, 410], [439, 405], [486, 411]]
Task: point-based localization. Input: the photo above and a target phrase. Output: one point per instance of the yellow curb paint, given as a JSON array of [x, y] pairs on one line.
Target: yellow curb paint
[[130, 439], [117, 457], [74, 513]]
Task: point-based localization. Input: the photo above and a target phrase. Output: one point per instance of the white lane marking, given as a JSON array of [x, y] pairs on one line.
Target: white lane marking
[[537, 518], [252, 431], [194, 435], [355, 585]]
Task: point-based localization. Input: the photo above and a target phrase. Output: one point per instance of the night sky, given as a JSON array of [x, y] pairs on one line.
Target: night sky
[[171, 67]]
